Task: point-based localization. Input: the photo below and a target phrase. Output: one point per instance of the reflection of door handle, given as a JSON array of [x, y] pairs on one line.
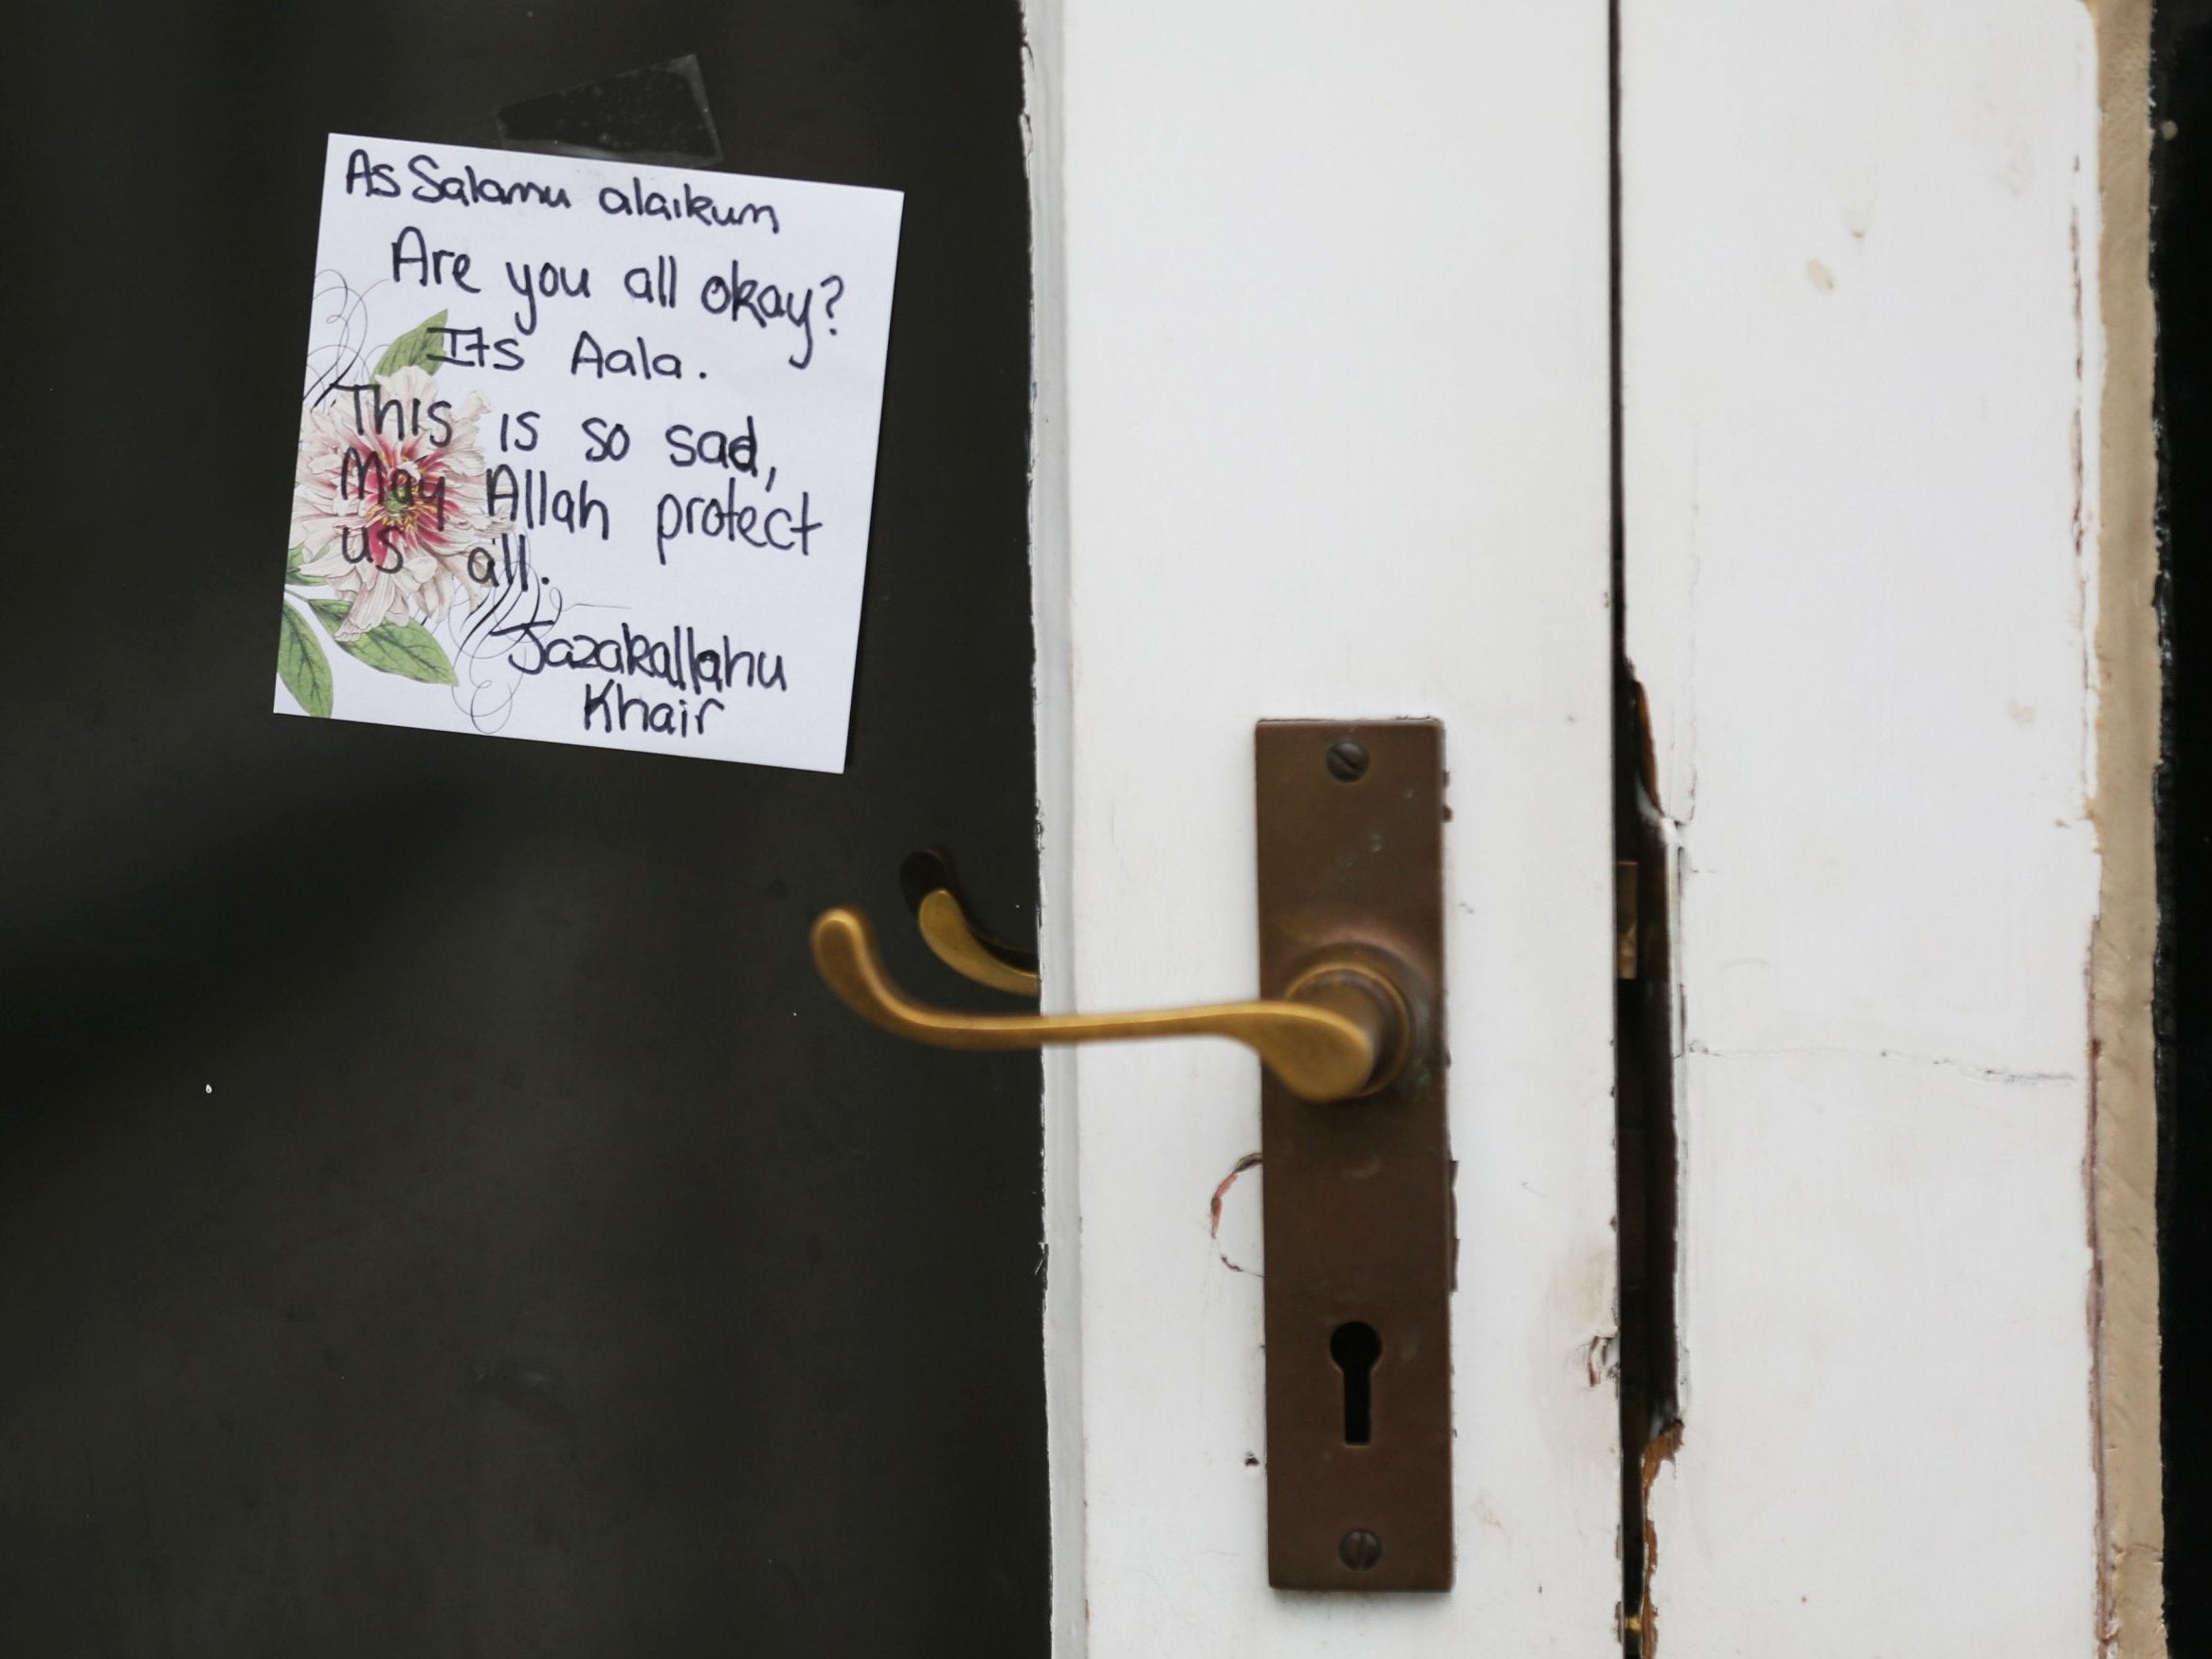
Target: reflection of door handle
[[1340, 1030], [934, 897]]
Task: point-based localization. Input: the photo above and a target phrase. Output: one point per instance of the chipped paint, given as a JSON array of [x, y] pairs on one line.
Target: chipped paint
[[1598, 1362], [1214, 1211], [1658, 1454]]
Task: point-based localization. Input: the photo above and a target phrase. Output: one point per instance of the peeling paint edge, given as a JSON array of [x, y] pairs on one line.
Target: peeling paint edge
[[1214, 1211], [2122, 1128], [1066, 1448], [1656, 1455]]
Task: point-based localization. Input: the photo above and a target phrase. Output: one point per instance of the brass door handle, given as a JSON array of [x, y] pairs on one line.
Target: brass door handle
[[945, 928], [1361, 1225], [1342, 1028], [933, 894]]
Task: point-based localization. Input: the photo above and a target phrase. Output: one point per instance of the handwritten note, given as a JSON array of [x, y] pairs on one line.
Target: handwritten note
[[587, 452]]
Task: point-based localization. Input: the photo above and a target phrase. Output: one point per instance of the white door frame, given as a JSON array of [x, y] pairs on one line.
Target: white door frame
[[1889, 560]]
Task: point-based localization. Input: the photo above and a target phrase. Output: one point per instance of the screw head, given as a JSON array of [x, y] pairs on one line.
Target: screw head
[[1348, 760], [1360, 1549]]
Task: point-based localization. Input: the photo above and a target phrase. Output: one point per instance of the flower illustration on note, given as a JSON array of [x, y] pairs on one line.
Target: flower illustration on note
[[389, 517]]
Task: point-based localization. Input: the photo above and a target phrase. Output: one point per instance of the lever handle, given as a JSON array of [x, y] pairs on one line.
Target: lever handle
[[934, 896], [1342, 1031]]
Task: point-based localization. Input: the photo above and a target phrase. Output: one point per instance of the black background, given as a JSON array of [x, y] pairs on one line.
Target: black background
[[552, 1267], [2181, 272]]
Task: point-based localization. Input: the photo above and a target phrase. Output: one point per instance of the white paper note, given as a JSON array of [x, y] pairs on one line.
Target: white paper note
[[588, 451]]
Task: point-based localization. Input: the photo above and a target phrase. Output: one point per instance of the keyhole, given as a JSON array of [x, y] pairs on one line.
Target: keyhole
[[1355, 1348]]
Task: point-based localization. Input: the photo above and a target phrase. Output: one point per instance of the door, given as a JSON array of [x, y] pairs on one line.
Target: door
[[442, 1213], [1729, 426]]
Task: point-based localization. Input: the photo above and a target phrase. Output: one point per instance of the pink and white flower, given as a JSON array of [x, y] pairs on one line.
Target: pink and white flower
[[390, 509]]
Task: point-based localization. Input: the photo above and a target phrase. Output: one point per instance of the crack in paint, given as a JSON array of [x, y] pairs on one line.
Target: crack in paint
[[1844, 1052]]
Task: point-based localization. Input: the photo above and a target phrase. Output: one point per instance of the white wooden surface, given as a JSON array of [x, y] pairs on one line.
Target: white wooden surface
[[1323, 432], [1862, 357]]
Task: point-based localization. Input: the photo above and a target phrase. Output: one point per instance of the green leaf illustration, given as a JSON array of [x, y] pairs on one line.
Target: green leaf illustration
[[406, 649], [417, 348], [302, 665], [297, 577]]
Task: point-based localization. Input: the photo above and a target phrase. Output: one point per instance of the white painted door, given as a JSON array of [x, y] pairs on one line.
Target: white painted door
[[1324, 430]]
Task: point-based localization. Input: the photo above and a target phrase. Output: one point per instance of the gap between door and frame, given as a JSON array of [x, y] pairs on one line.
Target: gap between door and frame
[[1646, 1022]]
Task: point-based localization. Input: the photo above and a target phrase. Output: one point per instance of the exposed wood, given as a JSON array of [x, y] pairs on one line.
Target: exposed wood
[[2127, 668]]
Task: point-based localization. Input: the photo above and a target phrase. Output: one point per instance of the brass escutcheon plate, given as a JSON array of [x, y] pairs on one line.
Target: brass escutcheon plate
[[1357, 1196]]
